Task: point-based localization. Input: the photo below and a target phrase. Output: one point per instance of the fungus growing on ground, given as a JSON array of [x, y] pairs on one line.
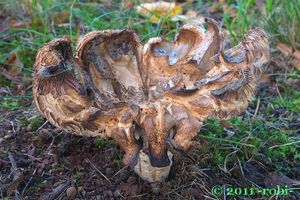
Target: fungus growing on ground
[[148, 98]]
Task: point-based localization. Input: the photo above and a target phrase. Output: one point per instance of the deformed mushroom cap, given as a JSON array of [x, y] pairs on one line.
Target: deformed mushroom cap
[[148, 98]]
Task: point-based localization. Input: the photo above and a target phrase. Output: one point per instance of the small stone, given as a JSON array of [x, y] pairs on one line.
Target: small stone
[[109, 193], [29, 128], [109, 172], [71, 192], [80, 189], [7, 137], [155, 188], [44, 131]]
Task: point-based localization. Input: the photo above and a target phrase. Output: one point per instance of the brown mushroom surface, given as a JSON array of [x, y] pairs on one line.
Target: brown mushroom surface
[[148, 98]]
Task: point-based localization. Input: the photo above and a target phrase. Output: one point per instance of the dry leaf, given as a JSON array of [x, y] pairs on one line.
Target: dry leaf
[[191, 17], [191, 14], [128, 4], [290, 51], [14, 65], [11, 68], [265, 78], [158, 10], [220, 6], [62, 17], [296, 64], [225, 124], [19, 24]]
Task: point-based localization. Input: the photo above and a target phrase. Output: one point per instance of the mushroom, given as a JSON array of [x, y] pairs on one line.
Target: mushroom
[[148, 98]]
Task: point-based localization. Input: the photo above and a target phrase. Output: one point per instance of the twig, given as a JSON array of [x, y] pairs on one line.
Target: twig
[[14, 168], [6, 74], [282, 145], [241, 168], [60, 196], [42, 126], [138, 196], [190, 157], [179, 187], [31, 157], [28, 182], [279, 93], [13, 127], [119, 171], [53, 138], [230, 141], [257, 107], [57, 191], [18, 195], [88, 160], [17, 176]]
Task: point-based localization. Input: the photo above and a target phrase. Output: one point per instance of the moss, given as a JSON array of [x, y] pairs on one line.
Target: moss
[[9, 103], [34, 123], [290, 101], [214, 126], [279, 148], [100, 143], [78, 175], [5, 82]]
